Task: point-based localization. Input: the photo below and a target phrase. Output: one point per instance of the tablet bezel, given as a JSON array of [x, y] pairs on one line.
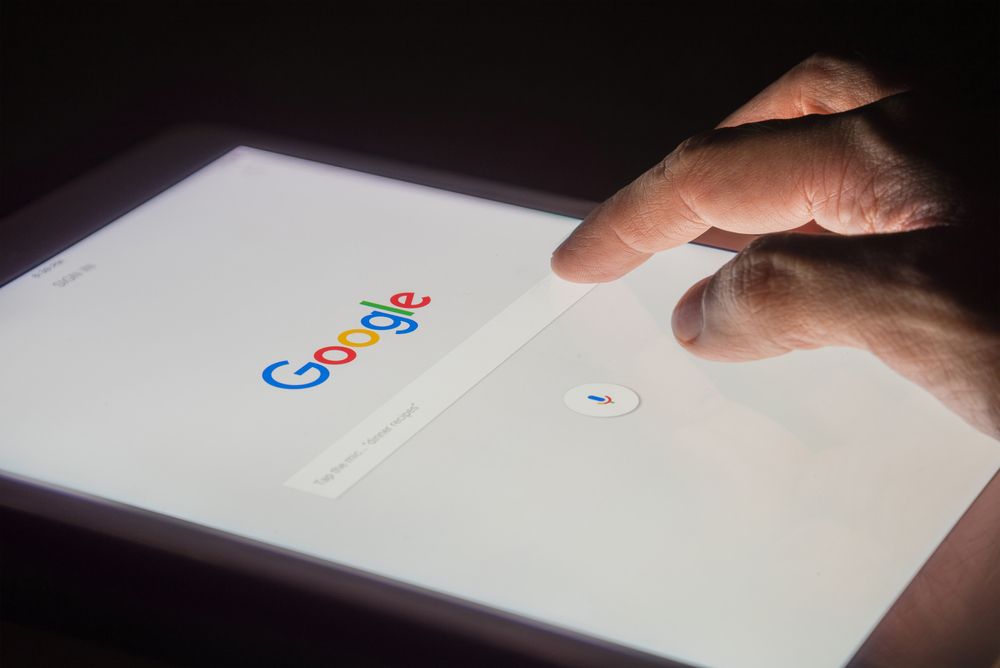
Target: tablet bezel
[[48, 226]]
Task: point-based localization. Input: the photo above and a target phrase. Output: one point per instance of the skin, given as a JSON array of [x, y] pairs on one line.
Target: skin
[[905, 264]]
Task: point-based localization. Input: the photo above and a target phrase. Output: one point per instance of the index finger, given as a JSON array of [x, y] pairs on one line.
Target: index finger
[[605, 246], [756, 178], [749, 179]]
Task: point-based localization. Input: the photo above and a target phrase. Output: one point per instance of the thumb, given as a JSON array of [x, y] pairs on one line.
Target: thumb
[[792, 291], [888, 293], [782, 292]]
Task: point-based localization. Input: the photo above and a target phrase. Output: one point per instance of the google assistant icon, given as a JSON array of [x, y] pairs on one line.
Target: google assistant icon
[[601, 400]]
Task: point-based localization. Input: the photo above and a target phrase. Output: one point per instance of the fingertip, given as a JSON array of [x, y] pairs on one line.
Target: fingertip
[[569, 269], [560, 269], [688, 318], [585, 266], [575, 260]]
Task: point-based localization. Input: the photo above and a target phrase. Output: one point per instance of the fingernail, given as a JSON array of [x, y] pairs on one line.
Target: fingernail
[[688, 319]]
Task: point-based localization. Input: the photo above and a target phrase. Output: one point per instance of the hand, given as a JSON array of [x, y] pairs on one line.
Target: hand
[[913, 273]]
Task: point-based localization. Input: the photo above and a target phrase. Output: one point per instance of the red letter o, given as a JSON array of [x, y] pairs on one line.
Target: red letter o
[[349, 354]]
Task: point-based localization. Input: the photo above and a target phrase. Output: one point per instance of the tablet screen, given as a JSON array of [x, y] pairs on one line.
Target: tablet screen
[[387, 376]]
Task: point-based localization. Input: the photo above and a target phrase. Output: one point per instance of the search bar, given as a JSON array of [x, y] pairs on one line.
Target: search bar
[[369, 443]]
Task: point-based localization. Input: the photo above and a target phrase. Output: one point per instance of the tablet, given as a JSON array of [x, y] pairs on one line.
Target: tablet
[[365, 378]]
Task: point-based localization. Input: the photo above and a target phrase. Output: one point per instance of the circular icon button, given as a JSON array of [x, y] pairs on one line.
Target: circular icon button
[[601, 400]]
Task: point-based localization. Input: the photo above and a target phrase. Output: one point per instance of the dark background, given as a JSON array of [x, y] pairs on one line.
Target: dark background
[[570, 97]]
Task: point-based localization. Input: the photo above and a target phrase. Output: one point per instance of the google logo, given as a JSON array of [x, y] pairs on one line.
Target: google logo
[[383, 318]]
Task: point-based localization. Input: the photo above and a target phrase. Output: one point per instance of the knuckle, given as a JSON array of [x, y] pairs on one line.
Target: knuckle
[[881, 186], [690, 146], [683, 168], [687, 171], [826, 63], [760, 290], [829, 83], [757, 279], [664, 197], [833, 68]]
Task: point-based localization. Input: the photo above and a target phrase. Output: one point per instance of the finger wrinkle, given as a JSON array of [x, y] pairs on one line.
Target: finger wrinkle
[[627, 245], [679, 185]]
